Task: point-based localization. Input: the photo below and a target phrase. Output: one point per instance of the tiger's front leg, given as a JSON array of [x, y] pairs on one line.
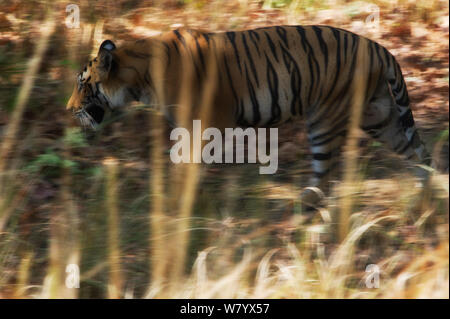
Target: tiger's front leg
[[325, 141]]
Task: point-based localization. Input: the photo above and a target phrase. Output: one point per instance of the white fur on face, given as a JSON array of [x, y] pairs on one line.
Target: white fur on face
[[83, 76], [117, 99]]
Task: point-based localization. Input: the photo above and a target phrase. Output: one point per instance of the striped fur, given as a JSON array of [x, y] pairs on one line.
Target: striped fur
[[265, 77]]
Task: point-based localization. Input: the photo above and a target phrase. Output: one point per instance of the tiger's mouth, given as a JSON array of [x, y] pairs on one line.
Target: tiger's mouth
[[91, 116]]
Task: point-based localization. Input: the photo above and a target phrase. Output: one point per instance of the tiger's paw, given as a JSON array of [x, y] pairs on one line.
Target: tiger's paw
[[311, 199]]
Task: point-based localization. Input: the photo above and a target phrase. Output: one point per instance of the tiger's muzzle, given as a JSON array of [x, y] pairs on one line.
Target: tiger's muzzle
[[90, 116]]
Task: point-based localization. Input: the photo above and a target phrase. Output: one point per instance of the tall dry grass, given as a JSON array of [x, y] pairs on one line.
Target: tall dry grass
[[9, 141], [115, 285], [307, 265], [348, 187], [10, 134]]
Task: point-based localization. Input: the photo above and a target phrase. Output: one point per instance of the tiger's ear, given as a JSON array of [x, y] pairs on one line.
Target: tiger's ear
[[106, 57], [107, 45]]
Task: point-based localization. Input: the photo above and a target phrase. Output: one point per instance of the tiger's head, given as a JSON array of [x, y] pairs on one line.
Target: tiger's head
[[101, 87]]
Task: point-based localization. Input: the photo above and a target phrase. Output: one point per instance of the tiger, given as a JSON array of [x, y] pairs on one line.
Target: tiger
[[263, 77]]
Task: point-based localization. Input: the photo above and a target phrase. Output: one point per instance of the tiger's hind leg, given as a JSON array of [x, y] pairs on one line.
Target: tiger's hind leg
[[392, 124]]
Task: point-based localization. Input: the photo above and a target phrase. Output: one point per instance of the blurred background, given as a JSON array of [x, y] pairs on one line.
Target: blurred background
[[105, 215]]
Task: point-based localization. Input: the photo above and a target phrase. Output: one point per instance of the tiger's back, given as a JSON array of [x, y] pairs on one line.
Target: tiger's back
[[270, 75]]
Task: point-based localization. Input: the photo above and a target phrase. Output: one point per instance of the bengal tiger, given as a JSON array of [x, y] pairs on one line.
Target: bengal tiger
[[263, 77]]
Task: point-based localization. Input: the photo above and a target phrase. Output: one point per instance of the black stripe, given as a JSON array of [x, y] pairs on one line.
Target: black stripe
[[253, 99], [199, 50], [321, 156], [282, 34], [90, 87], [407, 119], [250, 58], [387, 57], [311, 61], [400, 83], [371, 58], [325, 110], [338, 63], [176, 46], [403, 100], [206, 36], [341, 133], [230, 81], [318, 139], [180, 37], [241, 120], [379, 125], [345, 45], [355, 41], [272, 46], [377, 47], [254, 37], [232, 37], [166, 46], [183, 42], [148, 79], [323, 45], [296, 79], [272, 80]]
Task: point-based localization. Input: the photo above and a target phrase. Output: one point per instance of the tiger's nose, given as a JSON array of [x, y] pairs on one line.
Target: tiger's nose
[[74, 102]]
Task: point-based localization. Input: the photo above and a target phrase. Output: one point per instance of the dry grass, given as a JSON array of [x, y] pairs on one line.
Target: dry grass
[[140, 228]]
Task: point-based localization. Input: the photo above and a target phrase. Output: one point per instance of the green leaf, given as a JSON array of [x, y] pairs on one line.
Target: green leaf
[[74, 137]]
